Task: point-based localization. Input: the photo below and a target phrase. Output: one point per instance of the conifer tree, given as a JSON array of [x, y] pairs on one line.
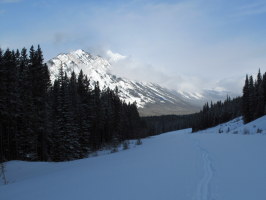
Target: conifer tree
[[245, 104], [96, 138], [264, 91], [260, 102], [9, 99], [55, 147], [252, 98], [60, 122], [2, 105], [117, 115], [84, 113]]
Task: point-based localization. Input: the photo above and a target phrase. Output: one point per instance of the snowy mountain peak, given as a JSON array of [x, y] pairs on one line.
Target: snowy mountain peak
[[79, 52], [79, 60], [150, 98]]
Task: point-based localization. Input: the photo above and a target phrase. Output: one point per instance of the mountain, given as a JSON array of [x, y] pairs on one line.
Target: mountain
[[151, 98]]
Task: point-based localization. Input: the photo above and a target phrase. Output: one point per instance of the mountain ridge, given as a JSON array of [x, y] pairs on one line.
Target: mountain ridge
[[150, 98]]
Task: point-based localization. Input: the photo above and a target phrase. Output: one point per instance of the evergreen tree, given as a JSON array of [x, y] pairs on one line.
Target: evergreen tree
[[252, 98], [259, 97], [25, 120], [40, 83], [9, 99], [117, 115], [260, 102], [96, 138], [264, 91], [68, 143], [55, 147], [84, 113], [3, 111], [63, 121], [245, 104]]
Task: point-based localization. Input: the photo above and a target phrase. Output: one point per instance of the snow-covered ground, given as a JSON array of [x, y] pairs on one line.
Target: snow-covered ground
[[176, 165]]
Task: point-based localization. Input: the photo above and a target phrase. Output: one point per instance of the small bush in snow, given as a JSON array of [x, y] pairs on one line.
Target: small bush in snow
[[138, 142], [235, 132], [221, 130], [259, 130], [114, 150], [94, 154], [2, 173], [228, 130], [125, 145], [246, 131]]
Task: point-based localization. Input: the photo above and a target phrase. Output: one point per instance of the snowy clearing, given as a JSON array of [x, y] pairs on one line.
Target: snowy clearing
[[176, 165]]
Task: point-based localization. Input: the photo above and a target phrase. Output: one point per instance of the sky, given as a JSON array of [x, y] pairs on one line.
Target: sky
[[181, 44]]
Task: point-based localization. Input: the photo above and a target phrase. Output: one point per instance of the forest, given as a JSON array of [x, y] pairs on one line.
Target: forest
[[70, 118], [251, 105], [59, 121]]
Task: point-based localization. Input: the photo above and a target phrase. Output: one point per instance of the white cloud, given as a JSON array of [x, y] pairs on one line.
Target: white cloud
[[184, 46], [133, 69], [178, 38], [114, 57]]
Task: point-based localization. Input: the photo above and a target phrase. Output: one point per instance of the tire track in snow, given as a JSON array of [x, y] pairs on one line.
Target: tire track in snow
[[203, 188]]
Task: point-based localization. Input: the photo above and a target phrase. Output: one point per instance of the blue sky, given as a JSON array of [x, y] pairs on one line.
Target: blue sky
[[181, 44]]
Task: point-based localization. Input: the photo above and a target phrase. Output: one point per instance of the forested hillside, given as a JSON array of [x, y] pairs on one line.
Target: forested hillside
[[61, 121], [251, 105], [211, 115]]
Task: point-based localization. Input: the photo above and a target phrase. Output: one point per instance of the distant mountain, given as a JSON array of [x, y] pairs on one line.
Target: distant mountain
[[151, 99]]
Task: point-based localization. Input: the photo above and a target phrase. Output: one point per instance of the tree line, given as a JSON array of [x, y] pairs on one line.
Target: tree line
[[211, 115], [58, 121], [166, 123], [254, 97], [251, 105], [217, 113]]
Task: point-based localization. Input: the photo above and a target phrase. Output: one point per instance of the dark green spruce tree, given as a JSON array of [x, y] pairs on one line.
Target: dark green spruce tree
[[245, 104]]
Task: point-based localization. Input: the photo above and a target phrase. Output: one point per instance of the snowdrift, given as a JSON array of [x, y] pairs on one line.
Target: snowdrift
[[212, 164]]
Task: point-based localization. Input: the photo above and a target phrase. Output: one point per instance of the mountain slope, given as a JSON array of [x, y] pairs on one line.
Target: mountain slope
[[151, 99], [175, 165]]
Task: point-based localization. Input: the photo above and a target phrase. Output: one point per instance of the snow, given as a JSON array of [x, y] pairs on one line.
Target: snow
[[99, 70], [191, 95], [236, 126], [177, 165]]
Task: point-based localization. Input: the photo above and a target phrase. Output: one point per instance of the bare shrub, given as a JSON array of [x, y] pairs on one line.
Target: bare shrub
[[259, 130], [138, 142], [246, 131]]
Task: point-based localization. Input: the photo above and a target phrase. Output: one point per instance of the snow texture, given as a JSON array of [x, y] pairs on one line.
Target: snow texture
[[99, 70], [206, 165], [203, 189]]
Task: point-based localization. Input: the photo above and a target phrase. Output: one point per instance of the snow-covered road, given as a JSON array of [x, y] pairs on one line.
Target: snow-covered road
[[176, 165]]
